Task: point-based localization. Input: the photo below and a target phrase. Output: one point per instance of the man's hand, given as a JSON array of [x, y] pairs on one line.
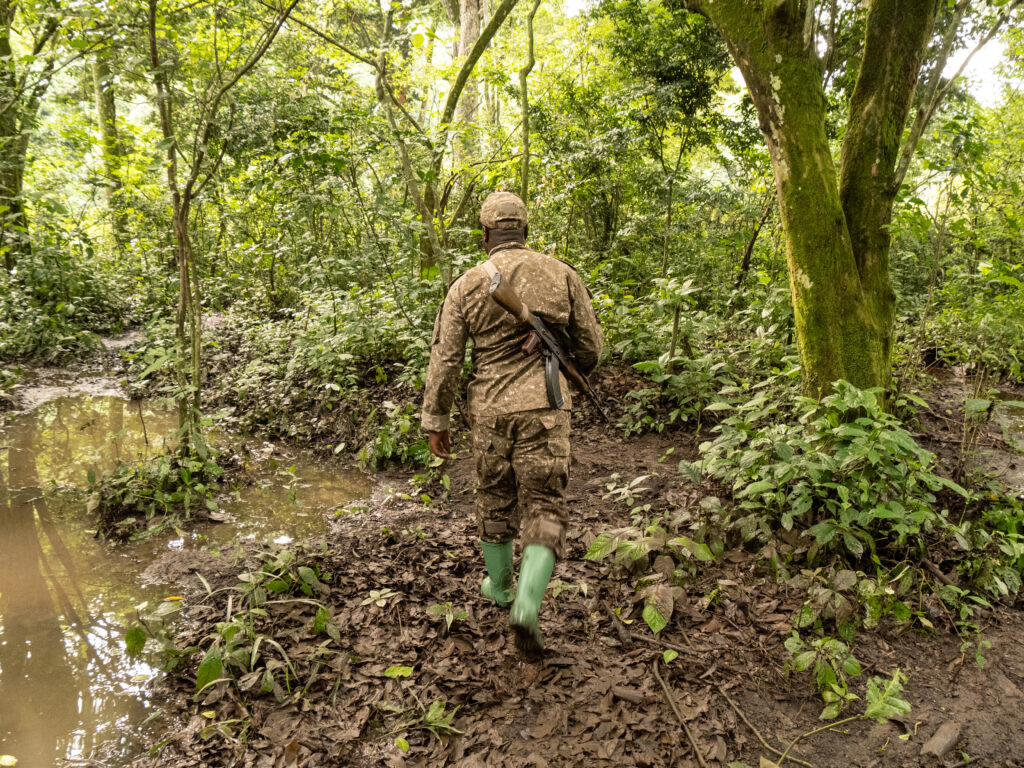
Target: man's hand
[[440, 444]]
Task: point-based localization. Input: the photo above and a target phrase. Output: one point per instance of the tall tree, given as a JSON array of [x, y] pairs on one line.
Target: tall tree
[[24, 79], [106, 117], [836, 222], [203, 157], [524, 98]]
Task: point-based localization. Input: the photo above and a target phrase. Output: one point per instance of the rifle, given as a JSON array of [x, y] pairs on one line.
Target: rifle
[[506, 297]]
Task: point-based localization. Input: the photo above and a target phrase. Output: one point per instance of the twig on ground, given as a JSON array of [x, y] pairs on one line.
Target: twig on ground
[[938, 574], [663, 643], [819, 729], [757, 733], [624, 637], [679, 716]]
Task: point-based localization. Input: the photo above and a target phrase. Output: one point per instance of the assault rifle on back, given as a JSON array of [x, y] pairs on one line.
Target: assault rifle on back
[[555, 357]]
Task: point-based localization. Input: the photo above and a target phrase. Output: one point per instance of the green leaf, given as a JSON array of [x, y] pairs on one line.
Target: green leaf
[[135, 641], [720, 405], [267, 681], [690, 470], [976, 405], [402, 744], [603, 546], [323, 616], [851, 667], [308, 575], [669, 656], [209, 668], [396, 672], [654, 619], [436, 712], [885, 697], [761, 486], [804, 660]]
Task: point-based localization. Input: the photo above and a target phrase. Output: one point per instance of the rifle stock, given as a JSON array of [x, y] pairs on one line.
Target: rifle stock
[[507, 298]]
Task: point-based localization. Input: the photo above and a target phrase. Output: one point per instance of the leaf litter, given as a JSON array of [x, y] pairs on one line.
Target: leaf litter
[[418, 669]]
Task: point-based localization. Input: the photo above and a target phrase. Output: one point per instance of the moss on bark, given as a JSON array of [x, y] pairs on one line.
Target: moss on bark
[[837, 233]]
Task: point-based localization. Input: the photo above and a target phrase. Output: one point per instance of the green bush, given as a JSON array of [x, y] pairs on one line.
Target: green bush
[[847, 473], [981, 321]]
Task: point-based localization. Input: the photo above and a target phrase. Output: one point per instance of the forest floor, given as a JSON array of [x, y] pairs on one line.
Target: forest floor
[[594, 698]]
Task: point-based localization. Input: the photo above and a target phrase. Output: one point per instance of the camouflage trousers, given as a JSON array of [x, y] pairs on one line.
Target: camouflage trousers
[[522, 469]]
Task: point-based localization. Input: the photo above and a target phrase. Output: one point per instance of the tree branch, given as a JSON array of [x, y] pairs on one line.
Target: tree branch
[[211, 112], [327, 38], [500, 14], [933, 95]]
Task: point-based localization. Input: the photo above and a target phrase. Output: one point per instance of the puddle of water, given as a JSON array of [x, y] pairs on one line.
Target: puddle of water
[[68, 693], [1012, 467], [1014, 413]]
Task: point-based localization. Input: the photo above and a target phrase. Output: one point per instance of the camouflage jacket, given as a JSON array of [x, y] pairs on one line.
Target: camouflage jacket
[[504, 380]]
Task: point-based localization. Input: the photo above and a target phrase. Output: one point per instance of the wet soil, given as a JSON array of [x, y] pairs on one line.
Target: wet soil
[[593, 699]]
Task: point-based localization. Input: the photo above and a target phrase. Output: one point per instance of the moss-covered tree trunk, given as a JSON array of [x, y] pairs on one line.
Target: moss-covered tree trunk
[[836, 223]]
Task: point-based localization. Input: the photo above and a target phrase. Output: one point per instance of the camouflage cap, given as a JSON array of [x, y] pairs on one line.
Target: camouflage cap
[[503, 210]]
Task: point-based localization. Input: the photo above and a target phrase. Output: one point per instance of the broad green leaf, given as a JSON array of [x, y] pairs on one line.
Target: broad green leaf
[[976, 405], [654, 619], [135, 641], [436, 712], [395, 672], [761, 486], [804, 660], [209, 668], [603, 546], [885, 697]]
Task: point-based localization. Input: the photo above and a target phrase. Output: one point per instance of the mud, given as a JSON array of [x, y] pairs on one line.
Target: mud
[[593, 699]]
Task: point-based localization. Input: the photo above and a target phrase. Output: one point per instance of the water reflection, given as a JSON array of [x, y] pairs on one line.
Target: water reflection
[[63, 679], [68, 694]]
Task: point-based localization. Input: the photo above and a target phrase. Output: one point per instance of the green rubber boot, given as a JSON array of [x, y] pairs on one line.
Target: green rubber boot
[[534, 575], [498, 584]]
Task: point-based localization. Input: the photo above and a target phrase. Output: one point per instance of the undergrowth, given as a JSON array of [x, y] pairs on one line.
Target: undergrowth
[[137, 500]]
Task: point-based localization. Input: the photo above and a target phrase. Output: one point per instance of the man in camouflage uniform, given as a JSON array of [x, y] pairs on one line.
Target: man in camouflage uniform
[[520, 443]]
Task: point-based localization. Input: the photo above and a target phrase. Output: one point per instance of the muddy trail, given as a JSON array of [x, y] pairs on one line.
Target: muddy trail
[[385, 653], [420, 670]]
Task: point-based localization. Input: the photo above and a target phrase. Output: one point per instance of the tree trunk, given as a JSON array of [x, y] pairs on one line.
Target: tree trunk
[[106, 117], [428, 203], [837, 229], [524, 179], [469, 33], [15, 117], [189, 363], [748, 252], [187, 405]]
